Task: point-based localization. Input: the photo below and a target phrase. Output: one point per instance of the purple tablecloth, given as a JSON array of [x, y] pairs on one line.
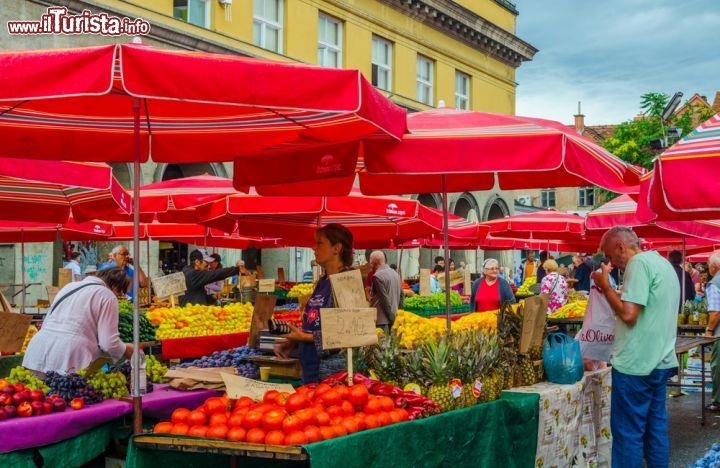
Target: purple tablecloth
[[163, 400], [37, 431]]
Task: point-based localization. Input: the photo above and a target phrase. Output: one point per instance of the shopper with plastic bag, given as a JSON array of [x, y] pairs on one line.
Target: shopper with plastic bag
[[644, 348], [598, 330]]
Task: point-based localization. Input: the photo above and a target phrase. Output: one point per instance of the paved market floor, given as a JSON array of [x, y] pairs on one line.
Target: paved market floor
[[688, 439]]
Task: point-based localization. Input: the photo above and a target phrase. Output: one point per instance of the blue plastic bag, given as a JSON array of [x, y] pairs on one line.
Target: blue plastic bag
[[562, 359]]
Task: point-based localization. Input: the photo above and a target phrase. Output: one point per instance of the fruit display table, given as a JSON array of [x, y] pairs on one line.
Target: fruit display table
[[574, 421], [161, 402], [498, 433], [39, 431], [190, 348]]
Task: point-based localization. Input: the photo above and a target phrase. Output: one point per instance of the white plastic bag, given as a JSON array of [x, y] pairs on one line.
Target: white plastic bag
[[598, 330]]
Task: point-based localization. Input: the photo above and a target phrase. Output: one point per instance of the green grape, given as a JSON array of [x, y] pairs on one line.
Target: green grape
[[23, 376]]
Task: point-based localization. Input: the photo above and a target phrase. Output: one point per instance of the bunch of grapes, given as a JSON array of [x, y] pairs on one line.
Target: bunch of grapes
[[156, 370], [236, 358], [71, 386], [126, 370], [110, 384], [22, 375]]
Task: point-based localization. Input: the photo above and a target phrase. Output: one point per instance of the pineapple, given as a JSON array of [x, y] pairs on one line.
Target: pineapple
[[412, 368], [525, 371], [467, 347], [702, 312], [385, 360], [437, 366], [509, 329]]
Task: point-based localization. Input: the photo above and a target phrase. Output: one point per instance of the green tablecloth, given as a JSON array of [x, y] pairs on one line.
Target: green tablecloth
[[68, 453], [499, 433]]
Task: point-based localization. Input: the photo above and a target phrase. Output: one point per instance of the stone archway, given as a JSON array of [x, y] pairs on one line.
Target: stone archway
[[165, 171], [466, 206], [496, 208], [123, 172]]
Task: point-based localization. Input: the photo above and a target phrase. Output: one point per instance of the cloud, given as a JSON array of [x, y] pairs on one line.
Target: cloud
[[607, 54]]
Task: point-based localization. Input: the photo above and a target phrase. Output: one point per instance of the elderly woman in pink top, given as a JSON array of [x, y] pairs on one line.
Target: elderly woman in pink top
[[554, 285]]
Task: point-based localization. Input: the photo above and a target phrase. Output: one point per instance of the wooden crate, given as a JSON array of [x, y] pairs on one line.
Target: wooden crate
[[221, 447]]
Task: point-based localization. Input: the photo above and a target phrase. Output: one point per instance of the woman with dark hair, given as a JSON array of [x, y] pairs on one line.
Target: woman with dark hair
[[81, 325], [334, 253]]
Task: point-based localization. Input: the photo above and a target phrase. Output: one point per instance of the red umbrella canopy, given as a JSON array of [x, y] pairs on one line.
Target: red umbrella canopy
[[684, 181], [19, 231], [192, 234], [548, 224], [622, 211], [508, 243], [375, 221], [49, 191], [85, 112], [522, 152]]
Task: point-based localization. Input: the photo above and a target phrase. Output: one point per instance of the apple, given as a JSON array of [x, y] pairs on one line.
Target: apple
[[18, 398], [59, 405], [9, 389], [77, 403], [18, 387], [37, 408], [3, 415], [6, 399], [10, 412], [37, 395], [24, 409], [47, 407], [27, 394]]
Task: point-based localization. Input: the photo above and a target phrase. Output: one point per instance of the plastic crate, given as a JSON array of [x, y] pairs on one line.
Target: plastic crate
[[428, 311]]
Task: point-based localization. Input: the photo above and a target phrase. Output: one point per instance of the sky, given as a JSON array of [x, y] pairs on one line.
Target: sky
[[608, 53]]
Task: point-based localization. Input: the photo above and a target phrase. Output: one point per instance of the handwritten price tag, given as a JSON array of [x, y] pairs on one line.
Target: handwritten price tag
[[238, 386], [424, 282], [348, 328], [169, 285], [348, 289], [266, 285]]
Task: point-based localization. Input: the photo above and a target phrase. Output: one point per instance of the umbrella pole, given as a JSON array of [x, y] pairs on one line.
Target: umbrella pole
[[147, 252], [136, 395], [446, 251], [22, 269], [682, 293], [400, 268]]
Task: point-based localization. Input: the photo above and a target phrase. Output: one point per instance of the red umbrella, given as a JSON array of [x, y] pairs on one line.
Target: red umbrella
[[19, 231], [683, 184], [49, 191], [548, 224]]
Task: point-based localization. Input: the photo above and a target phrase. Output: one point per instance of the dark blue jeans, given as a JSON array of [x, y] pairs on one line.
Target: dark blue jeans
[[639, 420]]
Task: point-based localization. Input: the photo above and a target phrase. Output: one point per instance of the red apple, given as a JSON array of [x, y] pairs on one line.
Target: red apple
[[59, 405], [37, 395], [27, 394], [77, 403], [18, 387], [47, 407], [9, 389], [10, 412], [18, 398], [37, 408], [6, 399], [3, 415], [24, 409]]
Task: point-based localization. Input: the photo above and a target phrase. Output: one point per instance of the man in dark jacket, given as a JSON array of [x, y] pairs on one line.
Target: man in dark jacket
[[197, 276], [688, 294]]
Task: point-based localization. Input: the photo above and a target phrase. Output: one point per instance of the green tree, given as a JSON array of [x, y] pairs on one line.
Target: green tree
[[652, 104]]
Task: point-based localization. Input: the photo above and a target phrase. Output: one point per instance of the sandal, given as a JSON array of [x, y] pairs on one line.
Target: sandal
[[713, 407]]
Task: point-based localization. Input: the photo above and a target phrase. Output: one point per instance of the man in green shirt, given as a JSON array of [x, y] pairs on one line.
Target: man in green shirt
[[643, 350]]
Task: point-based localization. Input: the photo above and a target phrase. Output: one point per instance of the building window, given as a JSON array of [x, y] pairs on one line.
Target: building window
[[425, 72], [462, 91], [586, 196], [329, 41], [195, 12], [547, 198], [382, 63], [268, 24]]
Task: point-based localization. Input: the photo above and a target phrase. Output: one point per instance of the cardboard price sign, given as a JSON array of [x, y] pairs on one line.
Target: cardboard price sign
[[348, 289], [534, 319], [169, 285], [237, 387], [424, 281], [348, 328], [266, 285], [467, 283], [264, 307], [13, 328], [281, 275]]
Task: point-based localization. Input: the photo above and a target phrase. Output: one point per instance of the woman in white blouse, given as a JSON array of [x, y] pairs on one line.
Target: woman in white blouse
[[81, 325]]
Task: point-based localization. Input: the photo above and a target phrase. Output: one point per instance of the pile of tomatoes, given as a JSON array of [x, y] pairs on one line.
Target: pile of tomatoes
[[311, 414]]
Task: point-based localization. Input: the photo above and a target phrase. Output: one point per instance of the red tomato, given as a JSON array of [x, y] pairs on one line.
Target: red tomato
[[373, 406], [235, 420], [218, 418], [197, 418], [360, 420], [320, 390], [336, 420], [327, 432], [198, 431], [335, 411], [275, 438], [241, 411], [255, 436], [180, 429], [218, 432], [243, 402], [273, 420], [296, 402], [291, 424], [215, 405], [331, 398], [350, 425], [306, 415], [252, 420], [296, 438], [403, 413], [180, 415], [384, 418], [343, 391], [322, 418], [395, 416], [282, 398], [371, 421], [347, 408], [270, 396], [313, 434], [358, 395], [265, 407], [387, 403], [339, 430], [304, 391], [163, 427], [236, 434]]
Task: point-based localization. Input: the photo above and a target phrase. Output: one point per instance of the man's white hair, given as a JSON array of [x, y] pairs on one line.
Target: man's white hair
[[379, 256], [116, 250], [625, 234], [714, 259]]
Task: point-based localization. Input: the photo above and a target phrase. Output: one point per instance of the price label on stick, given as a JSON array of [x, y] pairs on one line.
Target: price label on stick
[[467, 284], [262, 312], [348, 328], [348, 289], [424, 281], [237, 386], [169, 285], [266, 285]]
